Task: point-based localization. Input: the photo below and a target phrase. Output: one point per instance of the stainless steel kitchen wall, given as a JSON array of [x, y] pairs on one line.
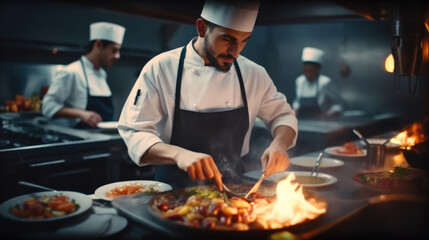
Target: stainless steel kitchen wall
[[362, 45]]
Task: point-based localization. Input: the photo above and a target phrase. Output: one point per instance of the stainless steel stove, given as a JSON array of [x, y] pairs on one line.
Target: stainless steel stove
[[25, 134]]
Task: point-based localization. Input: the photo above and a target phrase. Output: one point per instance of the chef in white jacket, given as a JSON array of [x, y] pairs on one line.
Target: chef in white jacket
[[79, 95], [317, 96], [192, 109]]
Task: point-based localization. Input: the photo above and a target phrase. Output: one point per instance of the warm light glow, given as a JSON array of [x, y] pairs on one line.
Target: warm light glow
[[290, 208], [389, 64], [411, 136]]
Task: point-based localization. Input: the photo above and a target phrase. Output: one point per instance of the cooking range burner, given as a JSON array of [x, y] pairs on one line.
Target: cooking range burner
[[24, 134]]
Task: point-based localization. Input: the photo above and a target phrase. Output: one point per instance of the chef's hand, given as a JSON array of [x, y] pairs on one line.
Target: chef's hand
[[91, 118], [201, 166], [275, 157], [274, 160]]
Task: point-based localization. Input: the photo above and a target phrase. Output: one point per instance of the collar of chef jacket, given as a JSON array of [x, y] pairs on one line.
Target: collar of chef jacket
[[198, 74], [96, 79]]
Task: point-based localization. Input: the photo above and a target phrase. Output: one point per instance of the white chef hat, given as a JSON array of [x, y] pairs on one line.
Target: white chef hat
[[310, 54], [106, 31], [237, 15]]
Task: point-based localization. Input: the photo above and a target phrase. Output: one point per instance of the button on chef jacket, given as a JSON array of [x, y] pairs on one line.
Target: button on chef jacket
[[69, 89], [148, 114]]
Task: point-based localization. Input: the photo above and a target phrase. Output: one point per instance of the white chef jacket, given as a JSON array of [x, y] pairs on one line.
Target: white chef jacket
[[147, 118], [69, 89], [329, 97]]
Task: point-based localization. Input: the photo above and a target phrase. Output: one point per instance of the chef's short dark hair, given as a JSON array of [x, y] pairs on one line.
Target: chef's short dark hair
[[210, 25], [311, 62], [104, 43]]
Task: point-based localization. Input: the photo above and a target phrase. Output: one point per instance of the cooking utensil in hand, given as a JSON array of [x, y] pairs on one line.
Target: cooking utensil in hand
[[256, 186], [315, 170], [360, 136], [227, 191], [35, 186]]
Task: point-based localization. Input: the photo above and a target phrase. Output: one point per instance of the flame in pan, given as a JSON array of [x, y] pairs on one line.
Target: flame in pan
[[410, 136], [290, 208]]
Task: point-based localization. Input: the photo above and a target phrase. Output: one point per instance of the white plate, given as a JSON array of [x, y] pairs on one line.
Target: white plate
[[331, 151], [118, 223], [108, 125], [329, 179], [159, 186], [95, 226], [83, 200], [310, 161]]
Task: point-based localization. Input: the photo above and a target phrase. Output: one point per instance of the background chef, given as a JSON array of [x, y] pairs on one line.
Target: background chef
[[317, 96], [192, 109], [79, 95]]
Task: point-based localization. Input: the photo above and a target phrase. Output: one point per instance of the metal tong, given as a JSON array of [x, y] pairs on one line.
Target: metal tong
[[315, 170], [228, 191], [256, 186]]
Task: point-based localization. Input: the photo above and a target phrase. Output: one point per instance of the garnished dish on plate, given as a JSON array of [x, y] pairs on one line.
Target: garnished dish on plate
[[348, 149], [310, 161], [305, 179], [45, 206], [113, 190], [397, 180]]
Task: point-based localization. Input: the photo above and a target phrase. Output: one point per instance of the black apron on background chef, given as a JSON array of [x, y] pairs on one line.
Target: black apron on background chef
[[99, 104], [219, 134], [309, 106]]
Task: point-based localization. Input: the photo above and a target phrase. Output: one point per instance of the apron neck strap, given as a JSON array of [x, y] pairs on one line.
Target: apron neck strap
[[179, 79], [240, 79], [84, 74]]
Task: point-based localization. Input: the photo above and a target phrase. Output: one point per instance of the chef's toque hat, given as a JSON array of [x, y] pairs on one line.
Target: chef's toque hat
[[106, 31], [314, 55], [236, 15]]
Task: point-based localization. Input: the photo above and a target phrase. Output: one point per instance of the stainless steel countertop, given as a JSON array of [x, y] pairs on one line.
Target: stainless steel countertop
[[91, 138]]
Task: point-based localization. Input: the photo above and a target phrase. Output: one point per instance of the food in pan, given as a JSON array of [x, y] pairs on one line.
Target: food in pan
[[130, 188], [44, 207], [349, 148], [205, 207], [208, 209]]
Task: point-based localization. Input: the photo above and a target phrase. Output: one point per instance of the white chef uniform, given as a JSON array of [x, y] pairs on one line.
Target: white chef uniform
[[328, 94], [322, 89], [69, 89], [148, 111]]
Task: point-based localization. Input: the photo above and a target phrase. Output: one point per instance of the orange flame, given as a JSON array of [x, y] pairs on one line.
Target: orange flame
[[290, 208], [410, 136]]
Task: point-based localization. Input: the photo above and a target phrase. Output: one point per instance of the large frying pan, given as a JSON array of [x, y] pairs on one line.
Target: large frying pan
[[190, 232]]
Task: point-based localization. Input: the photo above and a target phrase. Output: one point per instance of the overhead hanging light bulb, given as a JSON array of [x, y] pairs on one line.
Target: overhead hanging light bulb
[[389, 64]]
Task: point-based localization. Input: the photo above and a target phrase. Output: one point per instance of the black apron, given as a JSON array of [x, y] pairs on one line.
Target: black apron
[[308, 106], [101, 105], [219, 134]]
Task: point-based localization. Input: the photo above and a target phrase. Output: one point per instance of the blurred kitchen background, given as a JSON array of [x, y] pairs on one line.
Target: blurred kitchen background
[[39, 37]]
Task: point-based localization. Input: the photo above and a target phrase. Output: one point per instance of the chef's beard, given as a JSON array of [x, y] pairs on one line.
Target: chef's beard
[[212, 59]]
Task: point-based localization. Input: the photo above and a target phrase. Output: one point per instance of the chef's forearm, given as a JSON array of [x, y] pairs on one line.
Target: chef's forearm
[[68, 112], [161, 153], [283, 137]]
